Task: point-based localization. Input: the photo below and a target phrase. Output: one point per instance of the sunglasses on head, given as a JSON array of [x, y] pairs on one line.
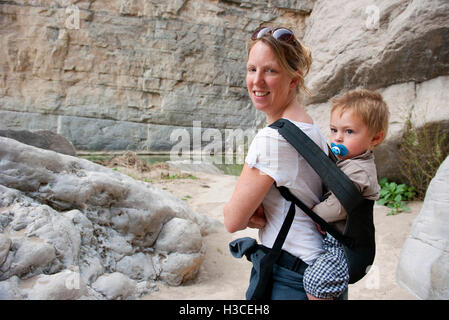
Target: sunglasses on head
[[281, 34]]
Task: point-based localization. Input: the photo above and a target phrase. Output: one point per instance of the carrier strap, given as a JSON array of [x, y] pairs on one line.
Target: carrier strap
[[343, 188], [316, 218], [268, 261]]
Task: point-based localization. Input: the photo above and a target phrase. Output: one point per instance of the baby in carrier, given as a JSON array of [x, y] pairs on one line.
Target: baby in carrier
[[359, 122]]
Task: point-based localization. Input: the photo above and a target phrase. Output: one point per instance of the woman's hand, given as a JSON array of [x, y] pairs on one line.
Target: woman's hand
[[318, 226], [320, 230], [257, 220]]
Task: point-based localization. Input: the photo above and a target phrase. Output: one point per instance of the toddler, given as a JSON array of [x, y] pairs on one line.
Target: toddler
[[359, 122]]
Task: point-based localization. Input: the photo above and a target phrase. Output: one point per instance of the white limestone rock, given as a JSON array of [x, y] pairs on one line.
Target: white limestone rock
[[60, 213], [10, 289], [64, 285], [138, 266], [179, 235], [423, 267], [115, 286]]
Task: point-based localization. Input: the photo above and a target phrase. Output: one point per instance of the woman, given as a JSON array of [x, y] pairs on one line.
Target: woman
[[276, 67]]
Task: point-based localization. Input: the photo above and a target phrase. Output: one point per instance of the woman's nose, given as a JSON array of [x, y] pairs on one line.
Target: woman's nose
[[258, 78]]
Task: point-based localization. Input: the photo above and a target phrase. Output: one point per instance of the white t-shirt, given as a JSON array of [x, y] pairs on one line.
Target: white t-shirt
[[273, 155]]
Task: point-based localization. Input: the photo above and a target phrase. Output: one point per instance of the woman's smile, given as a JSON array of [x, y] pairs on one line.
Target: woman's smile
[[259, 96], [261, 93]]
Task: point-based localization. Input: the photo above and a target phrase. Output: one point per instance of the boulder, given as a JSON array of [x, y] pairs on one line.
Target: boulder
[[68, 220], [179, 239], [179, 235], [5, 244], [64, 285], [115, 286], [375, 45], [44, 139], [9, 289], [423, 266]]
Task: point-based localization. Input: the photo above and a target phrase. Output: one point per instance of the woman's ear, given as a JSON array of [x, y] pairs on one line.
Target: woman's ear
[[294, 82], [377, 138]]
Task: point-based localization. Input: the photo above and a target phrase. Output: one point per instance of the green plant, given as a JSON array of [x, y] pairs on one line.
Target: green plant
[[395, 196], [180, 176]]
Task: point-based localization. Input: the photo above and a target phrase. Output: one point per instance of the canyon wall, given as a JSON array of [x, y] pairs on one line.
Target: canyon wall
[[124, 74]]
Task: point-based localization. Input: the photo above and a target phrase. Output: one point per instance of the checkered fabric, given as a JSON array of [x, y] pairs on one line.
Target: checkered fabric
[[328, 276]]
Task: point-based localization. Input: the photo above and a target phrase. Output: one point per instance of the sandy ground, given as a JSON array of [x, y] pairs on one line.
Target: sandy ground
[[222, 276]]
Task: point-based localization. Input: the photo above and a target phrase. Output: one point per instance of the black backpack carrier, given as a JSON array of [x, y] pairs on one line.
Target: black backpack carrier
[[358, 236]]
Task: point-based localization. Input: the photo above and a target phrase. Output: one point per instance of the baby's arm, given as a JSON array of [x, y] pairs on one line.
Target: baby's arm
[[330, 209]]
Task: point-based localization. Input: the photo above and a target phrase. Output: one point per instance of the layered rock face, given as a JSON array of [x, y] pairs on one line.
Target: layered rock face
[[121, 75], [72, 229]]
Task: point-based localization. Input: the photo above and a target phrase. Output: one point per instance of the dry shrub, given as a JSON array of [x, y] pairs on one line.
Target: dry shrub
[[421, 152], [131, 160]]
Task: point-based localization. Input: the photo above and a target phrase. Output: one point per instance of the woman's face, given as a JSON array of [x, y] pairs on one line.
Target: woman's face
[[270, 87]]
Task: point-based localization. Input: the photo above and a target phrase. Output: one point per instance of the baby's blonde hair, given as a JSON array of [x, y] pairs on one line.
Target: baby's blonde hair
[[368, 105]]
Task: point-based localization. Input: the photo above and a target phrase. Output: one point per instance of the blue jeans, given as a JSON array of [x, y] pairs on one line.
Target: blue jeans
[[288, 285]]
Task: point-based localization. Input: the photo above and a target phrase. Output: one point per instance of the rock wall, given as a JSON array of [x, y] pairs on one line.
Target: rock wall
[[375, 44], [130, 71]]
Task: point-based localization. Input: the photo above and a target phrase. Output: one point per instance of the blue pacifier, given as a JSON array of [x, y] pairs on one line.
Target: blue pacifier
[[339, 149]]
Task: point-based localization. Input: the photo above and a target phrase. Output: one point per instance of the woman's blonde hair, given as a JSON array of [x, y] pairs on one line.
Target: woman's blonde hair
[[368, 105], [292, 56]]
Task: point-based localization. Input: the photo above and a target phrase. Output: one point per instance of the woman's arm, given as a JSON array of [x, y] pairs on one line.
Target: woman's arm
[[251, 188]]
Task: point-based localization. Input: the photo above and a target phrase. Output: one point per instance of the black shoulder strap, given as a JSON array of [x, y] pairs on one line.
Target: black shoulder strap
[[316, 218], [268, 261], [343, 188]]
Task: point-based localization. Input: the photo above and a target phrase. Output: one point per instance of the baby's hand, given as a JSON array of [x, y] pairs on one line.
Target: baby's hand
[[257, 220]]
